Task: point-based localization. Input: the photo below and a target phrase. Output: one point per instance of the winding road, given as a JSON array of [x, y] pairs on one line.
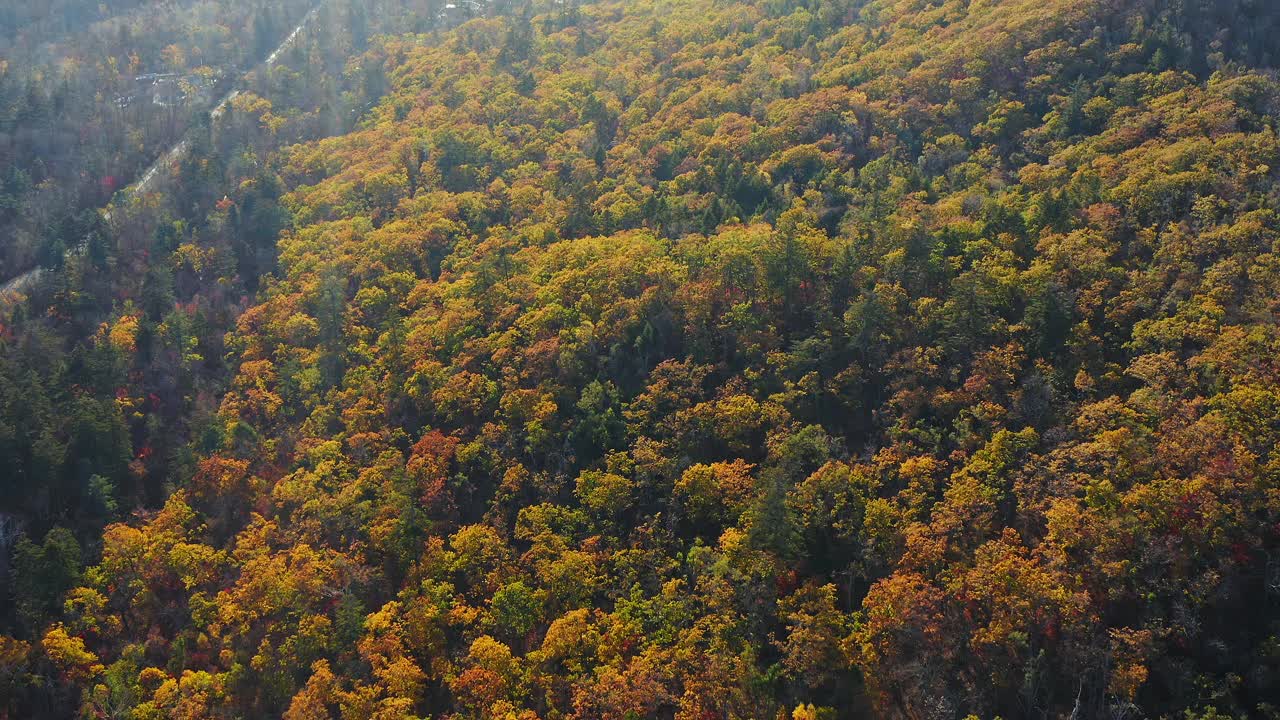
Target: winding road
[[20, 284]]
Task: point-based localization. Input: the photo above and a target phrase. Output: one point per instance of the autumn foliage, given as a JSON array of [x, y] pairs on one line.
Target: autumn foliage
[[739, 360]]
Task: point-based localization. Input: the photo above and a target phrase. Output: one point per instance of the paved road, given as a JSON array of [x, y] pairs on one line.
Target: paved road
[[21, 283]]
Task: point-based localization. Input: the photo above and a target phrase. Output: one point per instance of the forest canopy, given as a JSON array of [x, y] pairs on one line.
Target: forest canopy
[[655, 359]]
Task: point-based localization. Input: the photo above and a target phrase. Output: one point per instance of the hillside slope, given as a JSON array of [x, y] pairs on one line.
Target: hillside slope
[[745, 360]]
